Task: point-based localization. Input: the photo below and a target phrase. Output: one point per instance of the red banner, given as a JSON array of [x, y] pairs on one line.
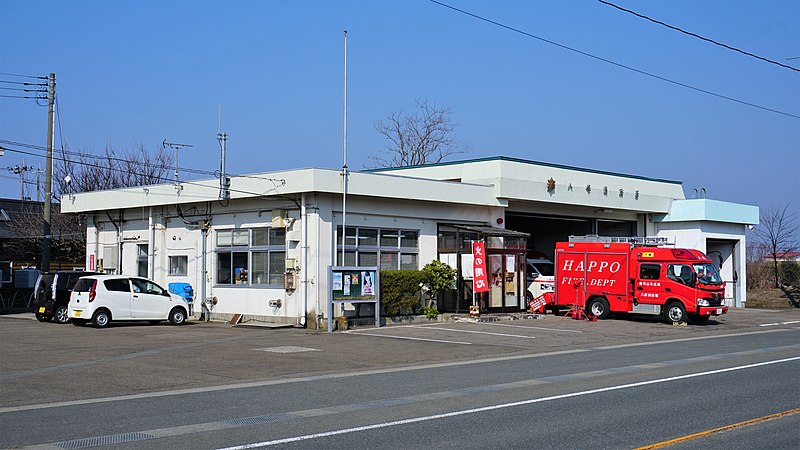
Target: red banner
[[480, 282]]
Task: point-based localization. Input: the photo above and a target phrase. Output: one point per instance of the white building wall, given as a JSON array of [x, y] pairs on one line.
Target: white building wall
[[697, 235]]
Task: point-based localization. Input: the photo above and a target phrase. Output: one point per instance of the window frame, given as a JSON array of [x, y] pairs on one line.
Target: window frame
[[275, 245], [380, 248]]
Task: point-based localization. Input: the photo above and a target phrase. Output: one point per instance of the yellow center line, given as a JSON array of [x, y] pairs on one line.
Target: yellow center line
[[717, 430]]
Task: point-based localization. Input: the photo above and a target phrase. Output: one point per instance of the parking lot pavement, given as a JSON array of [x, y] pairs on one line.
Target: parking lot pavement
[[47, 362]]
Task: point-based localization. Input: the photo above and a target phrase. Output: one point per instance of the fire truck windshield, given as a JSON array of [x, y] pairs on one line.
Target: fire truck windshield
[[707, 274]]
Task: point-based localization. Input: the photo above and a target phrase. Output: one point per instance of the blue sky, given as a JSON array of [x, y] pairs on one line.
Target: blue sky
[[141, 72]]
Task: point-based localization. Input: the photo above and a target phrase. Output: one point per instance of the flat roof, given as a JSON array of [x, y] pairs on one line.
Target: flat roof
[[524, 161]]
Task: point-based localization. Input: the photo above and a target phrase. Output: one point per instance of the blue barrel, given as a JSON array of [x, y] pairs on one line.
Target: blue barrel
[[182, 290]]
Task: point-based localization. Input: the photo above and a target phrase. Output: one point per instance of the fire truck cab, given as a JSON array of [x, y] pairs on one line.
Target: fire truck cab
[[623, 277]]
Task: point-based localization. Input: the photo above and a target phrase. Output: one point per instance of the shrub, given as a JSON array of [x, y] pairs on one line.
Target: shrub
[[400, 292], [438, 277]]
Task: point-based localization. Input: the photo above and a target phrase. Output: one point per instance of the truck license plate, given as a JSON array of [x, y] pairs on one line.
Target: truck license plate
[[719, 310], [41, 310]]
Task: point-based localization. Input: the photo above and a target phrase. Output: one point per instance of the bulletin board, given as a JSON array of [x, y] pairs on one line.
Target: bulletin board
[[354, 284]]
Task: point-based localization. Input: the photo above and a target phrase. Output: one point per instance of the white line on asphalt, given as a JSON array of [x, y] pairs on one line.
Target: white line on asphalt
[[501, 406], [769, 324], [698, 338], [532, 328], [477, 332], [412, 338], [225, 387]]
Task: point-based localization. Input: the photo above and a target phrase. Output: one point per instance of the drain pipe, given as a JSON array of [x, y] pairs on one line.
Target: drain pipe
[[152, 242], [204, 238], [304, 264]]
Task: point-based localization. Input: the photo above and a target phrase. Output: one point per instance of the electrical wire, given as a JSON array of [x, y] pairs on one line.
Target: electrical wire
[[697, 35], [23, 96], [276, 181], [608, 61], [38, 77]]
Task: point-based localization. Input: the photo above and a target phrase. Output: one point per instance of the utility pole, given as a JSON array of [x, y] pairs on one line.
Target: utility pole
[[20, 170], [48, 181], [224, 181]]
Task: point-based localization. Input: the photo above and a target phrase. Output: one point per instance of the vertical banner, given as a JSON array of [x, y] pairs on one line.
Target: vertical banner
[[480, 282]]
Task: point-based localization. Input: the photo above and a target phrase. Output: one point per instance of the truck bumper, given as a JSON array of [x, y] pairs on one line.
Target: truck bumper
[[712, 310]]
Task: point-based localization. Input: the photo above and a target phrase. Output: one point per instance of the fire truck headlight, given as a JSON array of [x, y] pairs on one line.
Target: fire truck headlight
[[703, 302]]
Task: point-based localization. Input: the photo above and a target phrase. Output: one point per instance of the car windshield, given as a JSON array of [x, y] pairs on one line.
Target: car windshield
[[707, 274], [543, 268]]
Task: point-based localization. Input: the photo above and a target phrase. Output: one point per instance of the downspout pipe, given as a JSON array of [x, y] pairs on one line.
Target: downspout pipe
[[304, 256], [152, 242], [204, 238]]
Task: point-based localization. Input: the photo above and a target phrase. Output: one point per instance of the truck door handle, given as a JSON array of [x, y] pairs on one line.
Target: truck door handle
[[639, 288], [668, 289], [135, 296]]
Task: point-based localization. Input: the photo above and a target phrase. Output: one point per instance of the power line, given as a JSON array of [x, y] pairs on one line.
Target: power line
[[24, 83], [275, 181], [23, 96], [608, 61], [697, 35], [38, 77]]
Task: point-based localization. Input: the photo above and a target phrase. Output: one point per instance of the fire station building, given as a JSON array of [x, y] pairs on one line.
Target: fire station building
[[266, 249]]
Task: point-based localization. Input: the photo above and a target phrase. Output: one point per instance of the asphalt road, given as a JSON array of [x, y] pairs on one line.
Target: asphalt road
[[549, 383]]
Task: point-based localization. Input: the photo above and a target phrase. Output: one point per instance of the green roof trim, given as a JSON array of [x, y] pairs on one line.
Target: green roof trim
[[524, 161]]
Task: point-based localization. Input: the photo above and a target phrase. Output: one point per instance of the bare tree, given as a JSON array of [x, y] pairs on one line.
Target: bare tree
[[778, 233], [68, 244], [113, 169], [425, 136]]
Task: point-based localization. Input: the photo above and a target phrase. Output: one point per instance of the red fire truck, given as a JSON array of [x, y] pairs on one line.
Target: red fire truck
[[607, 277]]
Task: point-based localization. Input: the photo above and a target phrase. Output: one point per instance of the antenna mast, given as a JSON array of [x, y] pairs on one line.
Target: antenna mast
[[344, 154], [176, 147], [224, 181]]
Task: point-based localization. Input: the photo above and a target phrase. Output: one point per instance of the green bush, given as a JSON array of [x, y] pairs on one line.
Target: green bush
[[400, 292], [789, 273], [438, 277]]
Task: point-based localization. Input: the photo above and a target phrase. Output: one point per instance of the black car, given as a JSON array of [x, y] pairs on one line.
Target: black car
[[49, 303]]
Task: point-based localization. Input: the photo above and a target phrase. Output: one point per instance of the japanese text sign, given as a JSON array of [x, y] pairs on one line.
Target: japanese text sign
[[480, 282]]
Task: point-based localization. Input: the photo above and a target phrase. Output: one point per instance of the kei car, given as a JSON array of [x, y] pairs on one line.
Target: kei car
[[100, 299]]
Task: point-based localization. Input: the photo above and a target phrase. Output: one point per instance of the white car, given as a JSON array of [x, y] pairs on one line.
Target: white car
[[103, 298]]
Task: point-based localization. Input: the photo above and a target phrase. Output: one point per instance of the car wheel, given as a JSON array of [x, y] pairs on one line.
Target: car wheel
[[43, 317], [177, 316], [78, 322], [598, 307], [101, 319], [698, 319], [675, 312], [62, 314]]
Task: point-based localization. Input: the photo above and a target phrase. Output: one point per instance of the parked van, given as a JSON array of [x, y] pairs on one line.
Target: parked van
[[50, 303], [103, 298]]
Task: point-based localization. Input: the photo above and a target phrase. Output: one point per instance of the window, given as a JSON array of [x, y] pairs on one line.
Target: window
[[682, 273], [649, 271], [178, 265], [251, 257], [117, 285], [387, 248], [146, 287], [141, 260]]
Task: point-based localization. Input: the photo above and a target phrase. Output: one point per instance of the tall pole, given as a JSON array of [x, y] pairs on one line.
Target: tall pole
[[48, 181], [344, 154]]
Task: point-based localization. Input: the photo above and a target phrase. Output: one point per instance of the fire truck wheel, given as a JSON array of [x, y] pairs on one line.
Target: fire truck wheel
[[675, 312], [598, 307]]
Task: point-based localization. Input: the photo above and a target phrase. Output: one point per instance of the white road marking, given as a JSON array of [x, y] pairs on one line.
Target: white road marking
[[413, 338], [478, 332], [532, 328], [501, 406], [225, 387], [774, 324]]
